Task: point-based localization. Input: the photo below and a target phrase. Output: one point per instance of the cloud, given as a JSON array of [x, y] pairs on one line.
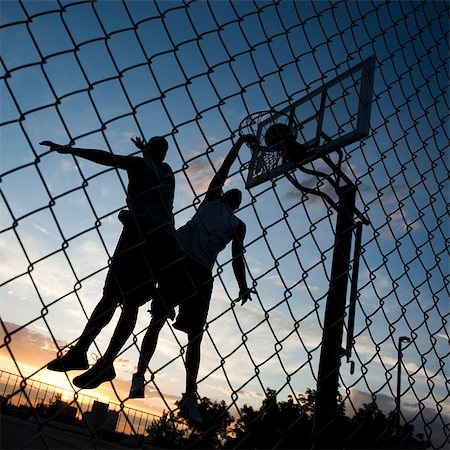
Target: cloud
[[42, 229], [244, 340], [423, 422], [389, 195], [67, 165], [29, 346], [311, 182], [399, 223], [442, 336], [318, 183], [51, 277], [18, 264], [127, 135], [357, 399], [200, 171]]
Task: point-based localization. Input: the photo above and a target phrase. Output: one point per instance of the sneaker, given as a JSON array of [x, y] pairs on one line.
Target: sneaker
[[100, 372], [137, 387], [72, 360], [189, 409]]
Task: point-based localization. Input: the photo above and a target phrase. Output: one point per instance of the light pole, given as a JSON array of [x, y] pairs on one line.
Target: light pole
[[401, 339]]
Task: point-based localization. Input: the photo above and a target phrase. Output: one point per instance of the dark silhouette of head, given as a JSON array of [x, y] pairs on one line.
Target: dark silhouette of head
[[156, 148], [233, 198]]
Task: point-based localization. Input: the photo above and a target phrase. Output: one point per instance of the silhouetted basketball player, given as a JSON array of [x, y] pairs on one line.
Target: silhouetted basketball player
[[202, 238], [146, 246]]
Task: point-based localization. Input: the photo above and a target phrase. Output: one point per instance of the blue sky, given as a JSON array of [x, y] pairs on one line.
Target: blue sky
[[105, 72]]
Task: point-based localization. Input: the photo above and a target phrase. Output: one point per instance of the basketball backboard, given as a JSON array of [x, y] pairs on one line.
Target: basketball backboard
[[324, 120]]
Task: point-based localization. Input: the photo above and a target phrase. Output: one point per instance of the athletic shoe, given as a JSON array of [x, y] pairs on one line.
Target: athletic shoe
[[72, 360], [100, 372], [137, 387], [189, 409]]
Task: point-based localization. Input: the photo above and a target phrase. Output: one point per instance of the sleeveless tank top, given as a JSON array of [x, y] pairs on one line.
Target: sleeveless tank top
[[208, 232]]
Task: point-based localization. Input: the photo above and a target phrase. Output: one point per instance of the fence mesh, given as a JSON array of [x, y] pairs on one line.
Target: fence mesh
[[96, 73]]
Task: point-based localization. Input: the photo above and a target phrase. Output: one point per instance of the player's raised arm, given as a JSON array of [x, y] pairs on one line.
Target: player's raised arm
[[97, 156], [218, 181]]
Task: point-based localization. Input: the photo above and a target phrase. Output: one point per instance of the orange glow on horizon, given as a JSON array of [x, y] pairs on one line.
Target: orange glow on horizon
[[61, 382]]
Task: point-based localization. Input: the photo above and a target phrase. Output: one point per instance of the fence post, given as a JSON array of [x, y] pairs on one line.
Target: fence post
[[325, 411]]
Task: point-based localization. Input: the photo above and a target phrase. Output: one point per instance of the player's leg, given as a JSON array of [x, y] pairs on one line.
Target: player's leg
[[149, 345], [75, 358], [167, 262], [188, 403], [100, 317], [147, 350], [140, 285], [137, 285], [167, 296], [123, 331], [103, 369], [192, 318], [193, 361]]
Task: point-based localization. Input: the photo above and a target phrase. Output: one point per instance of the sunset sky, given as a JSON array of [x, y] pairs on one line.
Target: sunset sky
[[102, 73]]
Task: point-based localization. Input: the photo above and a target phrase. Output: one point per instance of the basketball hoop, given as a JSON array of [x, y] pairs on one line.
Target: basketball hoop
[[323, 121], [259, 123]]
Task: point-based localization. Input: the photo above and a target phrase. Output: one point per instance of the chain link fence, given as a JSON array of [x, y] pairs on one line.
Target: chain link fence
[[96, 73]]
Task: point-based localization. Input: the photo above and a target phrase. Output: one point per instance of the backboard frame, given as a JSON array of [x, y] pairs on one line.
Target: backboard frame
[[279, 164]]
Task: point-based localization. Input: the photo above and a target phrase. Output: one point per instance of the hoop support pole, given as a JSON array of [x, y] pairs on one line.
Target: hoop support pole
[[353, 290], [326, 411]]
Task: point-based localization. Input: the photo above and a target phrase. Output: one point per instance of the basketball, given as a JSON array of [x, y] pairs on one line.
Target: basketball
[[277, 135], [281, 137]]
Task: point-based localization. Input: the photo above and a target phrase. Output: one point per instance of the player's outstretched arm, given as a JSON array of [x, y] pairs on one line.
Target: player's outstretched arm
[[218, 181], [239, 265], [97, 156]]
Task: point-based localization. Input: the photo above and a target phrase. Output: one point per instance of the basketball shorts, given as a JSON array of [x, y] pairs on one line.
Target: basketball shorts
[[137, 264], [188, 285]]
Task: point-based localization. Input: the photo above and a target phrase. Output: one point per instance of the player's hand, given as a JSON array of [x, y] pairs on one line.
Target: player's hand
[[139, 143], [248, 139], [244, 295], [59, 148]]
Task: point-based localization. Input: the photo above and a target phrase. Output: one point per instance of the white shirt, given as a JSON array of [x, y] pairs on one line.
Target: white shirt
[[208, 232]]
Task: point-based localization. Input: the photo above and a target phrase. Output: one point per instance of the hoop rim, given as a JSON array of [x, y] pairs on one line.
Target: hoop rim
[[252, 120]]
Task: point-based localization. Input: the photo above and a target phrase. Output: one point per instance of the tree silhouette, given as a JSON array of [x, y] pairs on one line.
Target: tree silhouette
[[212, 434], [286, 424], [58, 410], [370, 428], [164, 433]]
